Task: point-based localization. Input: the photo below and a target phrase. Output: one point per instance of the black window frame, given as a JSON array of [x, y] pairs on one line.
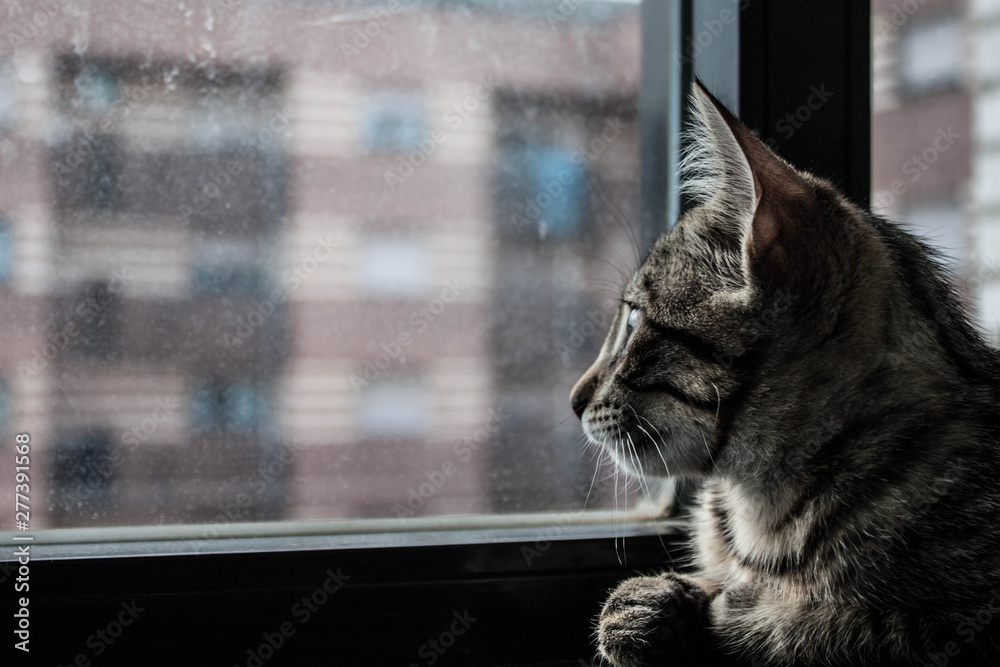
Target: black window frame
[[534, 592]]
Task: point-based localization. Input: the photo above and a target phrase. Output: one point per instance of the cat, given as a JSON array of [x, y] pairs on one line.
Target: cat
[[812, 363]]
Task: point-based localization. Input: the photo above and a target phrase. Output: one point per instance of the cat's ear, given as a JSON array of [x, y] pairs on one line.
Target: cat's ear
[[739, 182]]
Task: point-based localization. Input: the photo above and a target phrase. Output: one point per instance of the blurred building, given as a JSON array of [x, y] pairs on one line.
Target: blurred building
[[936, 121], [308, 260]]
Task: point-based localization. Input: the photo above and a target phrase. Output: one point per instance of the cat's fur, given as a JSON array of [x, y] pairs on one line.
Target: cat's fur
[[810, 360]]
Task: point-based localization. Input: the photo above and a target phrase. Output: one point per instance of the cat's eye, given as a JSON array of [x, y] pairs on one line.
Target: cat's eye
[[634, 319]]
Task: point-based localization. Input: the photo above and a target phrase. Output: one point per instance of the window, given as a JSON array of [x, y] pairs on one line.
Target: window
[[392, 120], [82, 477], [231, 421], [396, 408], [101, 181], [97, 87], [233, 267], [393, 267], [554, 184], [240, 406], [94, 321], [931, 54], [214, 231], [375, 306]]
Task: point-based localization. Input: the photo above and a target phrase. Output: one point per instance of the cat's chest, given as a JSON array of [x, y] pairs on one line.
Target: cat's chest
[[736, 541]]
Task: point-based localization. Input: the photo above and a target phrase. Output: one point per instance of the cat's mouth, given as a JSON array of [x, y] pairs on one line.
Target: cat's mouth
[[632, 442]]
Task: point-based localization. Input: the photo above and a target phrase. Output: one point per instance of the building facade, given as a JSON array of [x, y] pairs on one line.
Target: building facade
[[308, 260]]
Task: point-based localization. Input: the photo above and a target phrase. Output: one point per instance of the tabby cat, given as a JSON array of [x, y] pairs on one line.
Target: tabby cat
[[810, 361]]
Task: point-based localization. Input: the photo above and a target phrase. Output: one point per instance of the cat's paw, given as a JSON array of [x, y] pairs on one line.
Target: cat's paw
[[654, 621]]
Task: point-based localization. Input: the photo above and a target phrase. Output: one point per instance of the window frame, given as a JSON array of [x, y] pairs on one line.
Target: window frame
[[534, 590]]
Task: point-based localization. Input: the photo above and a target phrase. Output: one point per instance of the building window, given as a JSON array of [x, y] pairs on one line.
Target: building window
[[83, 470], [96, 88], [102, 174], [393, 267], [931, 54], [942, 225], [395, 408], [557, 191], [6, 251], [392, 121], [96, 312], [232, 267], [232, 406], [541, 185]]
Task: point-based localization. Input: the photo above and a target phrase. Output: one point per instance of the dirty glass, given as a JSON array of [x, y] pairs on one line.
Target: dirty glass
[[289, 261]]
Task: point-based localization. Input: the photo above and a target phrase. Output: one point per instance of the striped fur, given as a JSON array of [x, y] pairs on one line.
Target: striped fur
[[811, 362]]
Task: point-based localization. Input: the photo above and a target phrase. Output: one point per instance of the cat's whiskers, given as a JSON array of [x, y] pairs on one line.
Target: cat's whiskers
[[621, 218], [718, 395], [656, 445], [615, 511], [593, 480], [708, 449], [634, 455]]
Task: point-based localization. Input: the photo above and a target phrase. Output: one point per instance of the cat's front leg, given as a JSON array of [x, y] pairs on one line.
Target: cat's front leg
[[657, 621]]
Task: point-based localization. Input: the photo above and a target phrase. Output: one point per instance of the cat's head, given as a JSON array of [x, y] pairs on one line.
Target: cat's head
[[750, 299]]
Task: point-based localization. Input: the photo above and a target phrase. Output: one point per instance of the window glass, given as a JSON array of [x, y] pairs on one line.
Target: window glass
[[393, 267], [931, 53], [395, 408], [934, 130], [392, 120], [362, 247]]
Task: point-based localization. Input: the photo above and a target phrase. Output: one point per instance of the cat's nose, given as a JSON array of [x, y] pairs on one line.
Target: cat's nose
[[582, 393]]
